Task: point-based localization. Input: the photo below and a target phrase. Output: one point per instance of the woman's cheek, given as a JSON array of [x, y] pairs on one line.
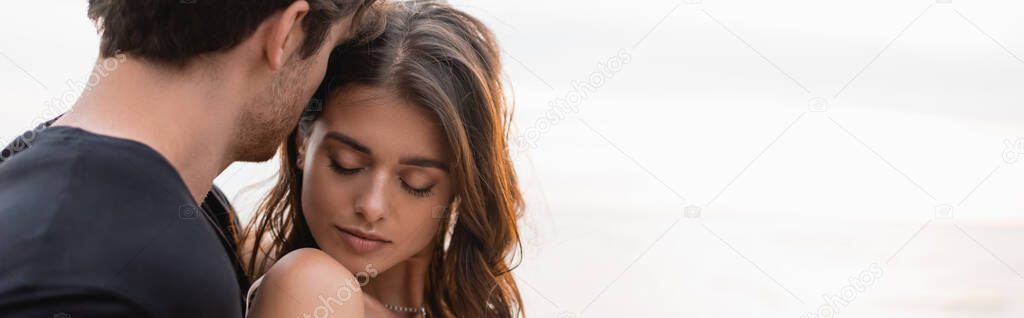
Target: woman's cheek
[[320, 193], [426, 230]]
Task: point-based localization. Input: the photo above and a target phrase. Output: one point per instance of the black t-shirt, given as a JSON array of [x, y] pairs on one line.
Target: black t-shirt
[[95, 226]]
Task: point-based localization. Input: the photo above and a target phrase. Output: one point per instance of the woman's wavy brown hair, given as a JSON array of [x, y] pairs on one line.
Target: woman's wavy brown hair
[[448, 62]]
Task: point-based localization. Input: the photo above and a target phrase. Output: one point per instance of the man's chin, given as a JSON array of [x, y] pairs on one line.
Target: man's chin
[[257, 155], [262, 145]]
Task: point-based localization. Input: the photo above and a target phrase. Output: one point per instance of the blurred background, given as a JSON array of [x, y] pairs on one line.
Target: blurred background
[[718, 158]]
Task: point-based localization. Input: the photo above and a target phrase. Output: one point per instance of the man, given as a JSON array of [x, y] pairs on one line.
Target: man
[[99, 214]]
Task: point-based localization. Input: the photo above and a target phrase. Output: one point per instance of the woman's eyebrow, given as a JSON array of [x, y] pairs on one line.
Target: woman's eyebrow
[[351, 142], [424, 162]]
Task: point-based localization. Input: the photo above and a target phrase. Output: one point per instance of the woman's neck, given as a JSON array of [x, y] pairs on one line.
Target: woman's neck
[[403, 284]]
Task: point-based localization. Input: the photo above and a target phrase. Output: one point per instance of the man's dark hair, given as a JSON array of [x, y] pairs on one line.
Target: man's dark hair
[[171, 32]]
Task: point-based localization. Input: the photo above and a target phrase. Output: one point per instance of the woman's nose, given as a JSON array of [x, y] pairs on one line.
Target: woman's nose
[[372, 203]]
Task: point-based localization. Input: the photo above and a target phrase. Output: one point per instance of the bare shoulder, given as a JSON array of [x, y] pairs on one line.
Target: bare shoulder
[[308, 265], [308, 282]]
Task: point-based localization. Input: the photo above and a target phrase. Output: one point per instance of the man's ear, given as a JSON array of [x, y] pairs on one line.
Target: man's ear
[[286, 34]]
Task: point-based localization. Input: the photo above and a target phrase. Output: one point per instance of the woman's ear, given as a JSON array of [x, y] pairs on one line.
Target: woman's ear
[[300, 147]]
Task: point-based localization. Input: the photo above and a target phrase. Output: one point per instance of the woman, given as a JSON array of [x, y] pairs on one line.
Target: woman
[[397, 195]]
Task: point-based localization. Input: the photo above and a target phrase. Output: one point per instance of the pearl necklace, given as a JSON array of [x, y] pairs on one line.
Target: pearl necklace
[[403, 309]]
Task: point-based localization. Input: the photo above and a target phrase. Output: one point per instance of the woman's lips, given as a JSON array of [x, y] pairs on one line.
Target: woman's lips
[[361, 242]]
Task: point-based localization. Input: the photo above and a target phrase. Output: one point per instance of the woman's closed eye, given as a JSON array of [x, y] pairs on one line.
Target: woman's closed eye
[[412, 188], [421, 192], [337, 167]]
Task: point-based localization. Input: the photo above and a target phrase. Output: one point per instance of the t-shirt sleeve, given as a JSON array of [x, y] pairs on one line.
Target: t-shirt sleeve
[[96, 227]]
